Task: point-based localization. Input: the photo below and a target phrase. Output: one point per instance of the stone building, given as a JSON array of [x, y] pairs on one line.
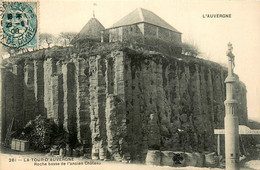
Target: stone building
[[143, 26]]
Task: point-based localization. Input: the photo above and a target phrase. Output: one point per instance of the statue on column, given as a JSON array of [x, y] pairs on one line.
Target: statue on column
[[231, 56]]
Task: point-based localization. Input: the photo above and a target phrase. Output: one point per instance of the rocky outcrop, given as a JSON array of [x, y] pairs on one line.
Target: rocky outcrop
[[122, 102], [2, 103], [29, 95], [39, 86], [49, 70], [69, 91], [82, 101]]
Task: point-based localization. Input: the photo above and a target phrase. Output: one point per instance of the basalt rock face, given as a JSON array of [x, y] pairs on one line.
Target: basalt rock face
[[122, 102]]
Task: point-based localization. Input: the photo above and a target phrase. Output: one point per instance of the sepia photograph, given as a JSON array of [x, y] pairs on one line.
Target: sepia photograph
[[129, 85]]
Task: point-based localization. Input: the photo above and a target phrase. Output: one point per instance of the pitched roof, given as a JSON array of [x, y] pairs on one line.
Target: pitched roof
[[92, 30], [140, 15]]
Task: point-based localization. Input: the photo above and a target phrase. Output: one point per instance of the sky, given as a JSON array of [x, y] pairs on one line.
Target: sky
[[210, 35]]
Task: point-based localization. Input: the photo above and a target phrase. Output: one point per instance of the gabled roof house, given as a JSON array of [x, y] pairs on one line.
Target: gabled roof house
[[141, 25]]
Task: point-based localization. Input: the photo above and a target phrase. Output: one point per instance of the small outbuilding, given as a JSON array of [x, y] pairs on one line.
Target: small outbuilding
[[143, 26], [91, 32]]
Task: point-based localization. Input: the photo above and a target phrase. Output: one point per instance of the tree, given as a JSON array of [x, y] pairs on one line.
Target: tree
[[13, 51], [46, 38], [190, 49], [67, 37]]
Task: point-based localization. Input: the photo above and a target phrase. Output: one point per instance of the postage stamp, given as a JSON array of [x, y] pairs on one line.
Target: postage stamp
[[19, 24]]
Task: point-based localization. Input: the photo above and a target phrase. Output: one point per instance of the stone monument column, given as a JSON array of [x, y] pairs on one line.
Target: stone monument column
[[231, 119]]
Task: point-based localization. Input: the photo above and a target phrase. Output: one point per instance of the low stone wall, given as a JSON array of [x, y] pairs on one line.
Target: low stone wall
[[181, 159]]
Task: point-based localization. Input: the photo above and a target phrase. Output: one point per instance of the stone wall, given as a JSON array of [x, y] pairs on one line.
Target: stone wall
[[161, 33], [123, 102], [144, 33]]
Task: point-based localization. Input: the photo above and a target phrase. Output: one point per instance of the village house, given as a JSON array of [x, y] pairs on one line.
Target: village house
[[142, 26]]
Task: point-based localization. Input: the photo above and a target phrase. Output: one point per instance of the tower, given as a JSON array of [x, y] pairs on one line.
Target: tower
[[231, 119]]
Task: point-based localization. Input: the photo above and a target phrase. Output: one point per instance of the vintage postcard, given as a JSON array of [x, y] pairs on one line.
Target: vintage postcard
[[129, 84]]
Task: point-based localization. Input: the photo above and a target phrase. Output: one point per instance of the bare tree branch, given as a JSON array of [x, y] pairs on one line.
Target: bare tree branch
[[67, 37], [46, 38]]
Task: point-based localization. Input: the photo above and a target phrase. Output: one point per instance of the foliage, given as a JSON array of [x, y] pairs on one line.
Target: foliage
[[66, 37], [43, 133], [153, 43], [39, 132], [190, 49], [47, 38], [13, 51]]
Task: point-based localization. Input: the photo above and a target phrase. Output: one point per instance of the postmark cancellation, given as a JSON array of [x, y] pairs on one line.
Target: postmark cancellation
[[19, 24]]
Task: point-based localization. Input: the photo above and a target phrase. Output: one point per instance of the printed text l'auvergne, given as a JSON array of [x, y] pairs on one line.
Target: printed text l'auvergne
[[216, 15]]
